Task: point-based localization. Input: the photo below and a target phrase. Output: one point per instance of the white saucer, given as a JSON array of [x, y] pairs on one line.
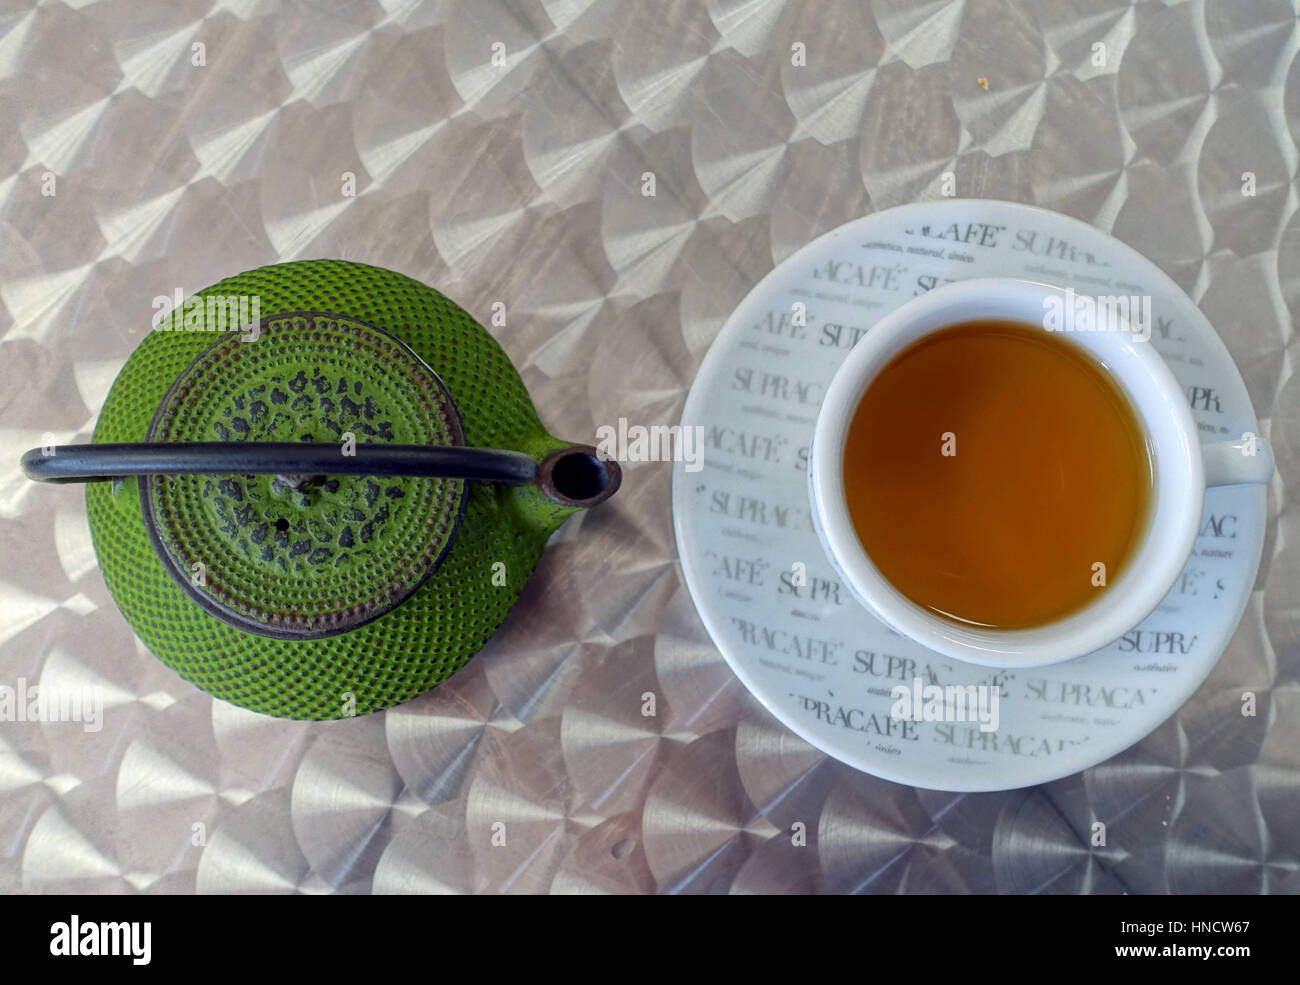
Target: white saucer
[[818, 661]]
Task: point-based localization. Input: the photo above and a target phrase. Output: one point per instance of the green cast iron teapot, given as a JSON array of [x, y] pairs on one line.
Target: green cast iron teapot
[[324, 486]]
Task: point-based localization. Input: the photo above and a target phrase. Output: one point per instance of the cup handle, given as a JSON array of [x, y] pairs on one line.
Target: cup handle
[[1248, 459]]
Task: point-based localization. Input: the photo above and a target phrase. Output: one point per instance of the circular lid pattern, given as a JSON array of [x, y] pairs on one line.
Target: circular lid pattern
[[304, 556]]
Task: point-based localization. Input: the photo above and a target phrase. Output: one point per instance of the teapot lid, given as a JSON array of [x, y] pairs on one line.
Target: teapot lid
[[304, 556]]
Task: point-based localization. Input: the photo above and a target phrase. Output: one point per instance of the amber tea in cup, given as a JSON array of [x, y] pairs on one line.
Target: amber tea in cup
[[997, 475]]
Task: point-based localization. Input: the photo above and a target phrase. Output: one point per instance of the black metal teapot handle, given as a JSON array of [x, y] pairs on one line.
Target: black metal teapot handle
[[566, 472]]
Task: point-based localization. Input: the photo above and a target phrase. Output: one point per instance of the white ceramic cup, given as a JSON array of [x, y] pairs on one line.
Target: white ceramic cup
[[1183, 468]]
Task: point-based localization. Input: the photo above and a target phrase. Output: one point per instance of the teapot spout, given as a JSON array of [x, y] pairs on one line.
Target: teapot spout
[[577, 477], [569, 478]]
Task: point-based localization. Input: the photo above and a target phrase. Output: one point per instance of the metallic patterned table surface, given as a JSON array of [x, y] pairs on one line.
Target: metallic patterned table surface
[[497, 151]]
